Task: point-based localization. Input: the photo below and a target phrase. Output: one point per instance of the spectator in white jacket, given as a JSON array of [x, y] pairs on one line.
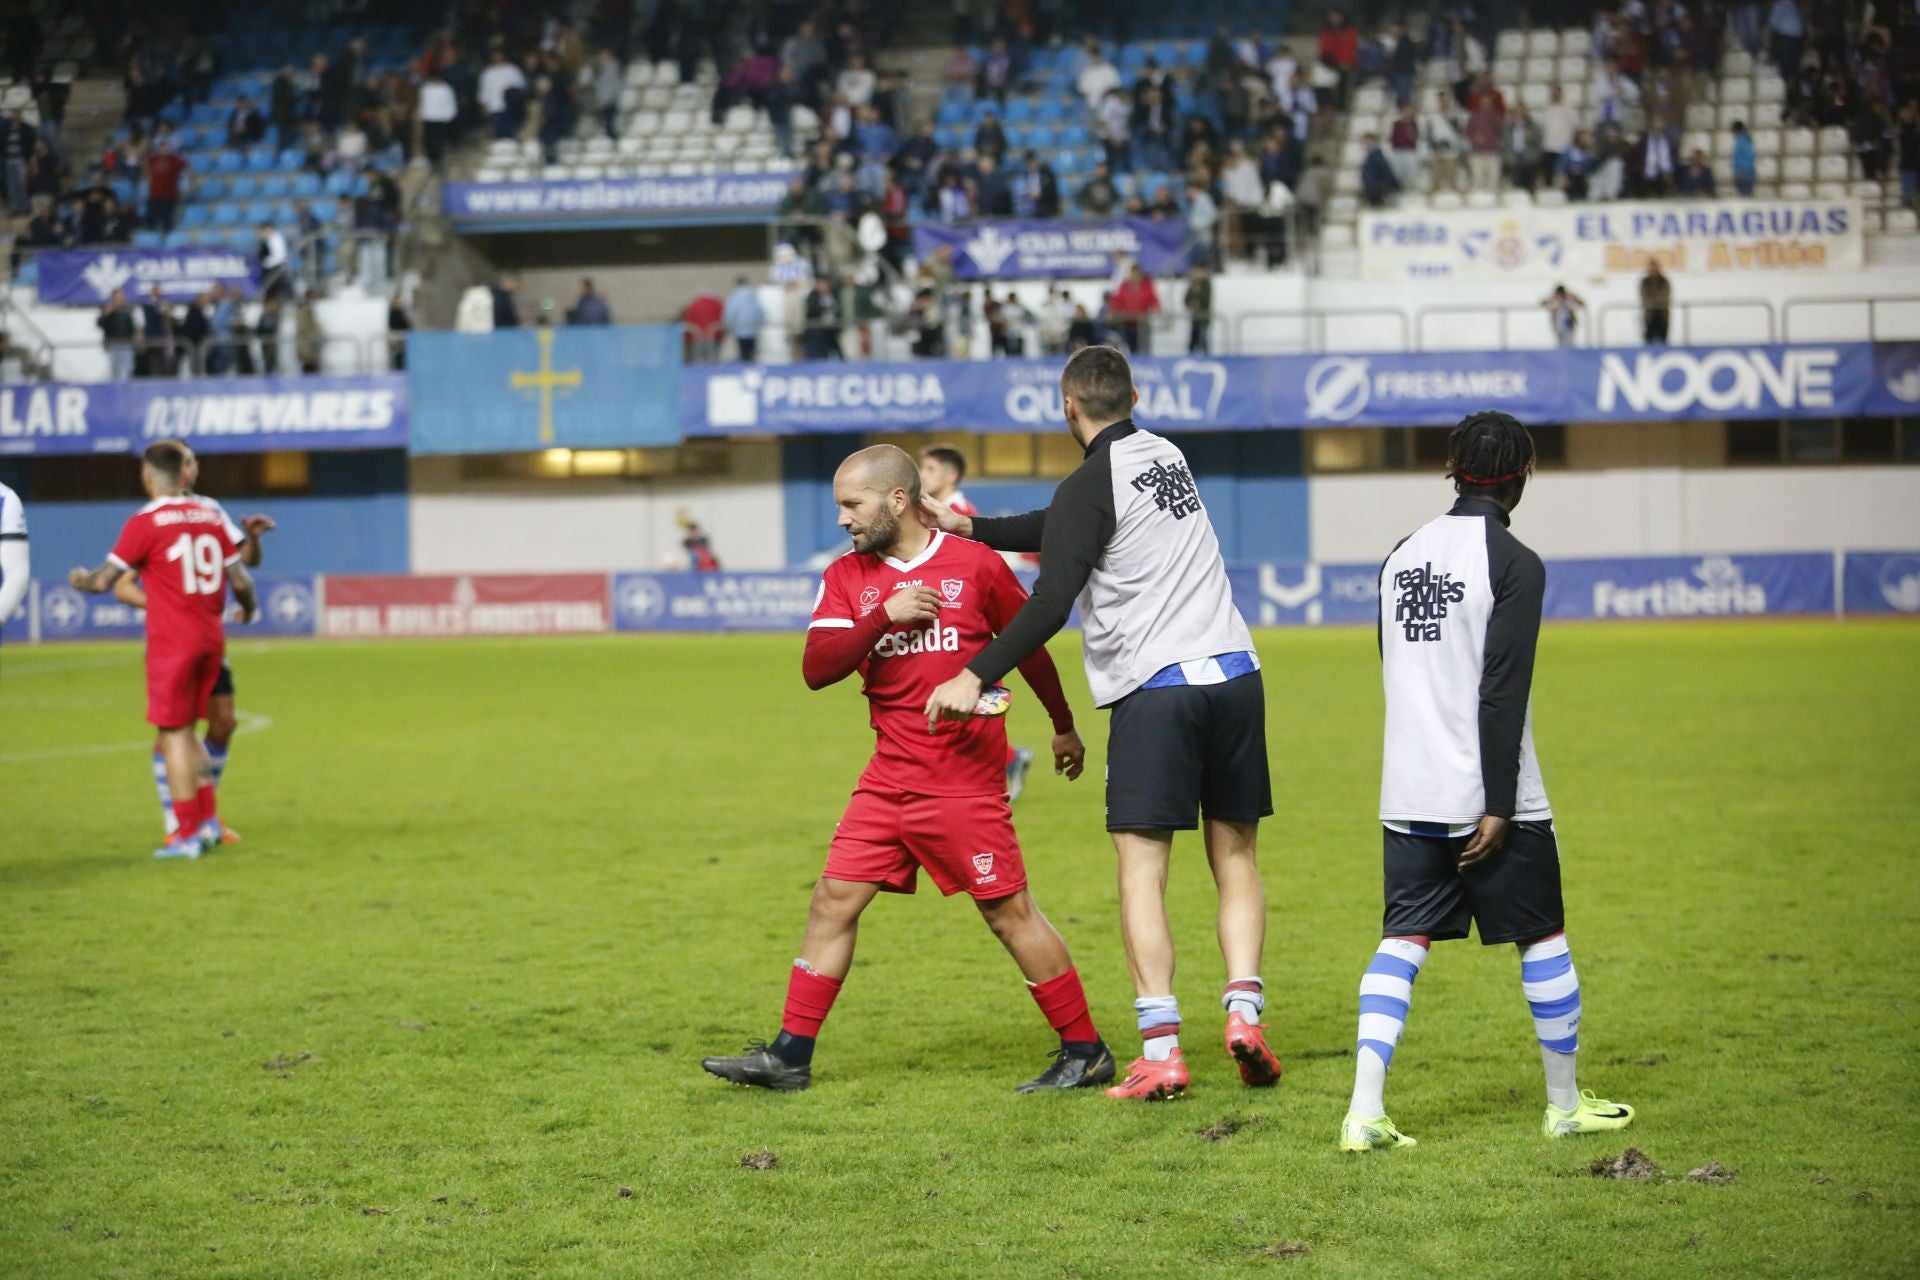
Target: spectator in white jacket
[[1440, 140], [1557, 125]]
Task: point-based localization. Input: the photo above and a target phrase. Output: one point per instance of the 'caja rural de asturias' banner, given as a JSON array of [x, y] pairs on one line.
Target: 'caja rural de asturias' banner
[[1031, 249], [87, 277], [1713, 237]]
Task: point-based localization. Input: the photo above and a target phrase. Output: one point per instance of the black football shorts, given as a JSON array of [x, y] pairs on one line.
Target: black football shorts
[[1178, 752], [223, 683], [1512, 897]]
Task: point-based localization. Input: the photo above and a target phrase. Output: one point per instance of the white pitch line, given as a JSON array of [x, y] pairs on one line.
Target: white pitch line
[[249, 722]]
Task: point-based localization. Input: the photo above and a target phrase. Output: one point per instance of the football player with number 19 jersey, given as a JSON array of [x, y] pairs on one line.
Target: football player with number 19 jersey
[[181, 547], [906, 609]]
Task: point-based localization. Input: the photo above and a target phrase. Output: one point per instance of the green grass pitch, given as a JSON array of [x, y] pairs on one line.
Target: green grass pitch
[[441, 1013]]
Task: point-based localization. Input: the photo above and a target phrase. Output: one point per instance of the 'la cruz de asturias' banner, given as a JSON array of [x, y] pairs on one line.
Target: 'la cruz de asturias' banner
[[615, 199], [1713, 237], [215, 415], [88, 277], [1253, 392], [1032, 249], [1278, 594]]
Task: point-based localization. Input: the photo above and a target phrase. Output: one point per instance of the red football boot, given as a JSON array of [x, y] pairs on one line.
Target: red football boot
[[1153, 1081], [1258, 1066]]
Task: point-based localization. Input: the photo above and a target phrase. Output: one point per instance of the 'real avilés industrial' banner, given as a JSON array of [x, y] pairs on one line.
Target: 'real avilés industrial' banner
[[1255, 392], [214, 415], [1582, 241]]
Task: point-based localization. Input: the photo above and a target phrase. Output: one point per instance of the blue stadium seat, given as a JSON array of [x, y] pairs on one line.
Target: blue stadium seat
[[204, 114], [258, 212], [324, 210], [1043, 60], [954, 111], [1042, 137], [984, 108], [244, 241], [292, 158], [1126, 184], [1075, 135], [262, 159], [339, 184], [244, 187], [1065, 163], [950, 137], [195, 216], [186, 138], [125, 190], [306, 185], [1051, 110], [226, 214], [1194, 52], [276, 186], [1018, 111], [284, 214], [29, 272], [1166, 53], [145, 239], [1063, 81], [1132, 58], [210, 188], [227, 161]]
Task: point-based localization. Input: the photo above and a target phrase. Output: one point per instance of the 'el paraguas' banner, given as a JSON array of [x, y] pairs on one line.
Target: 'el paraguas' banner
[[1252, 392], [214, 415], [1713, 237], [615, 199], [1032, 249], [88, 277]]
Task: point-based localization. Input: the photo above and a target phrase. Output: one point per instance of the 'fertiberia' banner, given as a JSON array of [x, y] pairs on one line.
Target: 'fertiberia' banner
[[1712, 237]]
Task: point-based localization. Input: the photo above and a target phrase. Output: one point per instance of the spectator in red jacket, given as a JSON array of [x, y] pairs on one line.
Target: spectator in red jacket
[[701, 322], [1339, 41], [1132, 307]]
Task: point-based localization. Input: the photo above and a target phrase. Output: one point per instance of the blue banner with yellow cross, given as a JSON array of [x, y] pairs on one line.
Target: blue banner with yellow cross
[[520, 390]]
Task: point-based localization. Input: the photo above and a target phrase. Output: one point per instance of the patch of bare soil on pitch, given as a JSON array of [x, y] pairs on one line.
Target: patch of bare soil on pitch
[[761, 1159], [1286, 1249], [1631, 1165], [1712, 1171], [1226, 1126], [287, 1061]]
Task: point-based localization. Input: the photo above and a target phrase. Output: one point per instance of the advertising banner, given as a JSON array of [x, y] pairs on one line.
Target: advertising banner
[[215, 415], [1881, 582], [466, 605], [1690, 586], [1252, 392], [88, 277], [1724, 237], [516, 390], [1045, 249], [713, 601], [692, 199], [288, 607]]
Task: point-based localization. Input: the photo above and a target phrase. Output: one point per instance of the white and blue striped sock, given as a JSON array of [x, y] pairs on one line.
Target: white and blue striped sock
[[218, 757], [1553, 994], [1158, 1018], [1386, 988], [167, 821]]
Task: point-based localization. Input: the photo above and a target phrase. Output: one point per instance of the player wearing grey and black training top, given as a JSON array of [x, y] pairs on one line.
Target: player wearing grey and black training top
[[1468, 833], [1127, 537], [15, 564]]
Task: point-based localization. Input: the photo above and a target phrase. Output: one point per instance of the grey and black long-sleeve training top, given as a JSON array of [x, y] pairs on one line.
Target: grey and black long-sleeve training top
[[1460, 602], [1126, 535]]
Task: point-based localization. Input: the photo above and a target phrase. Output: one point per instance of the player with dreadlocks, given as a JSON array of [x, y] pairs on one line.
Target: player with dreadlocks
[[1468, 832]]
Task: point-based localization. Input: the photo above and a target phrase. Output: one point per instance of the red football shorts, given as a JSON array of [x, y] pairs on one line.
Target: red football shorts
[[179, 684], [964, 842]]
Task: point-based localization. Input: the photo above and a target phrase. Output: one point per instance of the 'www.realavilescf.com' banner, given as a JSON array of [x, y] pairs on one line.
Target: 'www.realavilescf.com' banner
[[1253, 392], [1046, 249], [615, 199], [214, 415]]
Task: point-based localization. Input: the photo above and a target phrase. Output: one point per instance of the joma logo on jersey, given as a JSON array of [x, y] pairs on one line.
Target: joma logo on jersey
[[1423, 599], [937, 638]]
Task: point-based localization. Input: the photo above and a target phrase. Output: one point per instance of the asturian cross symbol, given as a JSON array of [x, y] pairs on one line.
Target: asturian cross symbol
[[545, 381]]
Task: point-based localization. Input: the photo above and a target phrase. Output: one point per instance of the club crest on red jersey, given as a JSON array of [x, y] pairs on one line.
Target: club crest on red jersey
[[951, 589], [983, 863], [869, 598]]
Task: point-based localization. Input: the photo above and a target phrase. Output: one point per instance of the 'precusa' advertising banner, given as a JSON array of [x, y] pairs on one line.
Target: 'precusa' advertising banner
[[1254, 392], [214, 415]]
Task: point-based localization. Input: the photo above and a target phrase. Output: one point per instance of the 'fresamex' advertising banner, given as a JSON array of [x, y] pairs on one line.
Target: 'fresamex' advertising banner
[[1252, 392], [87, 277], [615, 199], [1045, 249], [223, 415], [288, 607], [515, 390], [1730, 237], [466, 605]]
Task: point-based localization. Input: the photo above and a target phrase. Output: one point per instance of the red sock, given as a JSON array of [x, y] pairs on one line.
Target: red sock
[[205, 802], [186, 813], [809, 997], [1064, 1003]]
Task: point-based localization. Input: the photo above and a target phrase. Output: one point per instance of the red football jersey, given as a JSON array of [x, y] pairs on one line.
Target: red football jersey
[[181, 548], [958, 504], [978, 596]]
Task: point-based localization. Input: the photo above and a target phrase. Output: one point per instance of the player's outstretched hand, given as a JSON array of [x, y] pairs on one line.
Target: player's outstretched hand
[[243, 614], [254, 526], [1069, 754], [942, 516], [954, 700], [1487, 841], [79, 579], [910, 606]]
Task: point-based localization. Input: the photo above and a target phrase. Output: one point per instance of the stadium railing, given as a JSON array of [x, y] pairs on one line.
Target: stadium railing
[[1313, 325], [1595, 333], [1893, 331]]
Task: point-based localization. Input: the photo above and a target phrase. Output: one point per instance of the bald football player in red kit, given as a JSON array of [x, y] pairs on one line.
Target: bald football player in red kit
[[906, 608]]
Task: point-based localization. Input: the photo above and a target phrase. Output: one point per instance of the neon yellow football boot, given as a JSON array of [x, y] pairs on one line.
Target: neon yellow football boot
[[1593, 1115], [1360, 1134]]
